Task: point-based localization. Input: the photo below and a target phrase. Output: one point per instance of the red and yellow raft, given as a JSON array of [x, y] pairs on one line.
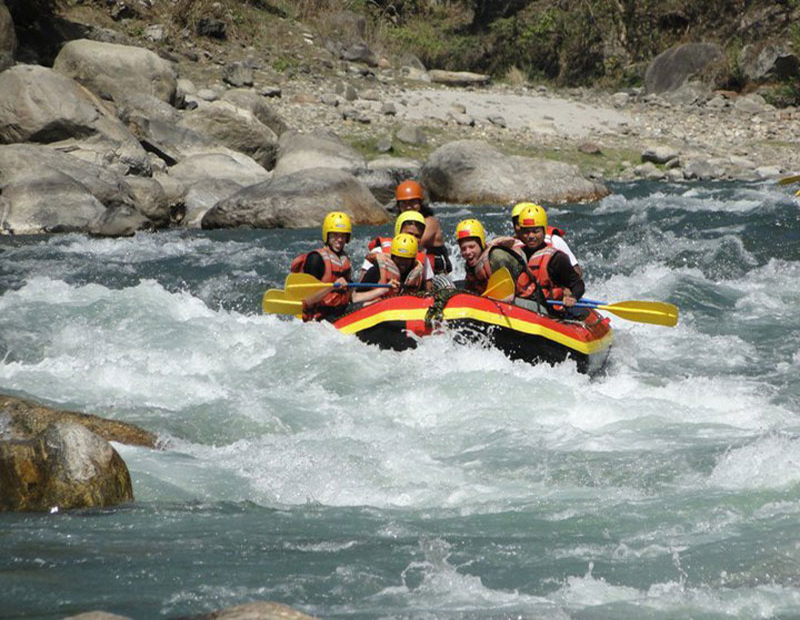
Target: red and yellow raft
[[398, 322]]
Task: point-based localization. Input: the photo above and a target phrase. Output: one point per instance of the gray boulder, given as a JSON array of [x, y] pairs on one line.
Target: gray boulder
[[384, 174], [20, 161], [8, 38], [150, 199], [253, 102], [672, 68], [65, 466], [298, 200], [236, 128], [771, 61], [237, 74], [472, 171], [48, 201], [110, 70], [458, 78], [40, 105], [320, 149], [659, 154], [119, 221], [210, 177]]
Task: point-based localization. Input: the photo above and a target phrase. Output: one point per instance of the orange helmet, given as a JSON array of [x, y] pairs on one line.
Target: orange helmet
[[409, 190]]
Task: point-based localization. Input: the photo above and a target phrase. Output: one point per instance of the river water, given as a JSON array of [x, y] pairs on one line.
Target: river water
[[304, 467]]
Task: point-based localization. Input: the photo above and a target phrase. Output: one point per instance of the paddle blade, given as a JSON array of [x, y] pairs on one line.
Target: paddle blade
[[301, 285], [655, 312], [275, 302], [500, 285], [789, 180]]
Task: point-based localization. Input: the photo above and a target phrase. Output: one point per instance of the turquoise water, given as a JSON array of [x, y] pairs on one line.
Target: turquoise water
[[301, 466]]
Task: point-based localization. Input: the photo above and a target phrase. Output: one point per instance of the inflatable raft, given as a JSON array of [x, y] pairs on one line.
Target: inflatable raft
[[398, 323]]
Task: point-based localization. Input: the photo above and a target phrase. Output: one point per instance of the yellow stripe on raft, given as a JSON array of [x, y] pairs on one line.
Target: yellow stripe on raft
[[535, 329], [401, 314], [587, 348]]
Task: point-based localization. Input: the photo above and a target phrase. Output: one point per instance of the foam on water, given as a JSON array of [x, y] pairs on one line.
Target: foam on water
[[448, 481]]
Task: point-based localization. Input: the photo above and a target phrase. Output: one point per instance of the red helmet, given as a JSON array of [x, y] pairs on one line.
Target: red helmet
[[408, 190]]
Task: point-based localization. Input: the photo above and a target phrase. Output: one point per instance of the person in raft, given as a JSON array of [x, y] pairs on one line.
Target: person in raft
[[329, 263], [482, 259], [409, 196], [549, 273], [409, 222], [553, 236], [401, 268]]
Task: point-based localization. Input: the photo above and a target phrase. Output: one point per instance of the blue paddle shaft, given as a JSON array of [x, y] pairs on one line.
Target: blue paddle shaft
[[583, 303], [363, 285]]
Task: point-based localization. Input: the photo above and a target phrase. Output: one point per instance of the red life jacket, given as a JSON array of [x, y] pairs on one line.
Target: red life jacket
[[336, 267], [538, 268], [414, 279], [478, 276], [549, 231]]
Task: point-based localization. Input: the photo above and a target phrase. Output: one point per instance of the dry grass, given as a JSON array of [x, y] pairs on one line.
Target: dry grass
[[515, 76]]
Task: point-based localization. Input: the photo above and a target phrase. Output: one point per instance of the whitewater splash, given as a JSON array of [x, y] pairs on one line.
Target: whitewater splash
[[442, 482]]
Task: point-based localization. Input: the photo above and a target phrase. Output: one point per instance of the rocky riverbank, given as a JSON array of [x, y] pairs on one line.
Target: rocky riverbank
[[117, 137]]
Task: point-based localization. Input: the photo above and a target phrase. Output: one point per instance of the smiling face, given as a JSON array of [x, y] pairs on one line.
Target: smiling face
[[470, 250], [532, 237], [337, 241]]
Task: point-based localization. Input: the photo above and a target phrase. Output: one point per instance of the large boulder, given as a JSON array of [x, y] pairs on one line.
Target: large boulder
[[298, 200], [48, 201], [212, 176], [320, 149], [458, 78], [40, 105], [111, 71], [255, 103], [236, 128], [472, 171], [384, 174], [673, 67], [771, 61], [65, 466], [8, 38], [21, 418], [43, 190]]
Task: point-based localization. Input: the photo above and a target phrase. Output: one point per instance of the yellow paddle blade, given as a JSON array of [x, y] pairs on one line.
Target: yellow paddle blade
[[656, 312], [275, 302], [301, 285], [500, 285], [789, 180]]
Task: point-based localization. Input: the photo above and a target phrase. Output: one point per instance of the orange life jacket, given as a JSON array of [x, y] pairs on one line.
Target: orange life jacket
[[538, 268], [414, 279], [478, 276], [336, 266]]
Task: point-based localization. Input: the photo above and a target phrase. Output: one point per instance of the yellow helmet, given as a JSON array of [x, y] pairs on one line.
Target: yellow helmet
[[336, 221], [404, 246], [519, 207], [532, 216], [471, 228], [408, 216]]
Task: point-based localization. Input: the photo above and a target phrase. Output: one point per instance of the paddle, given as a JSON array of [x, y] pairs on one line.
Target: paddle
[[789, 180], [655, 312], [275, 302], [301, 285], [500, 285]]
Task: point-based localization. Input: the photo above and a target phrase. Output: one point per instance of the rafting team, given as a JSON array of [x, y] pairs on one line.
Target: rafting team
[[416, 260]]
